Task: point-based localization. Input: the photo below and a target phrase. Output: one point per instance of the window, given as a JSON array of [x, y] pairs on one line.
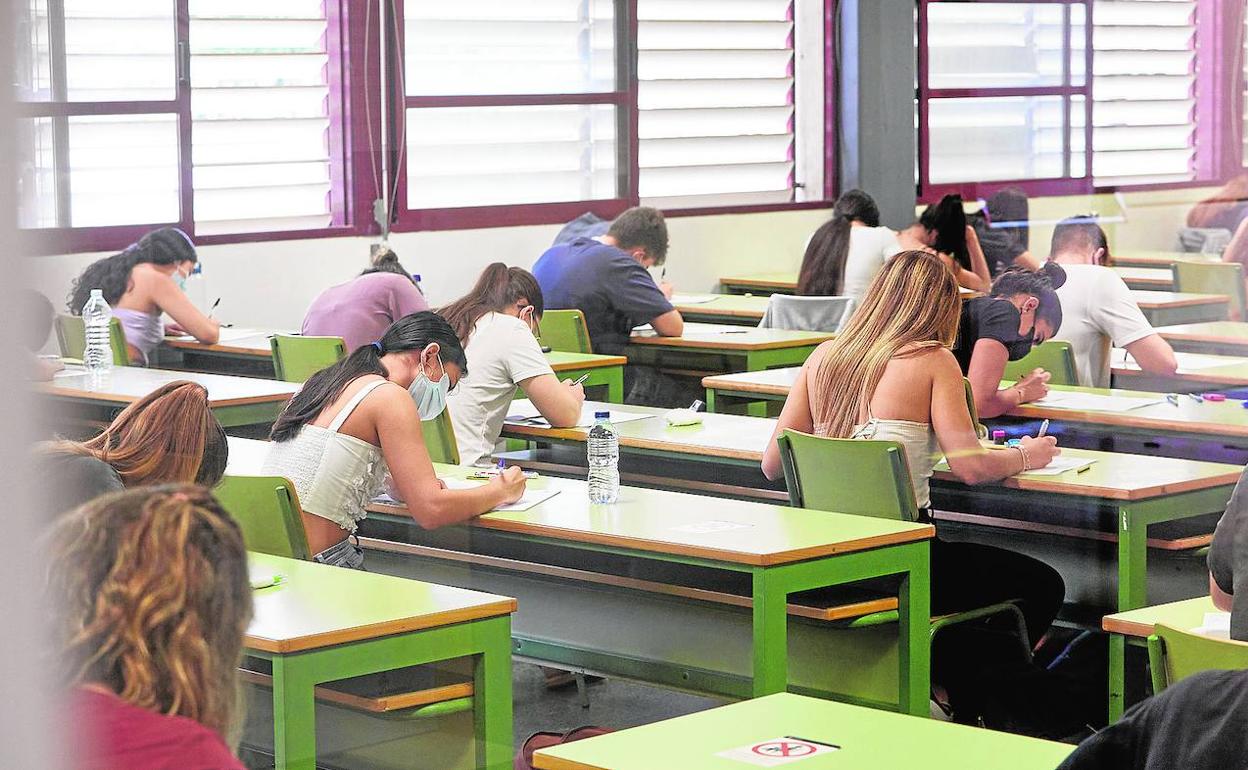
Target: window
[[1006, 97], [129, 122]]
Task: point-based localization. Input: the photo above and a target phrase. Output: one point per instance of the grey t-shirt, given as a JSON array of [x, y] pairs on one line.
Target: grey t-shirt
[[72, 480], [1228, 557]]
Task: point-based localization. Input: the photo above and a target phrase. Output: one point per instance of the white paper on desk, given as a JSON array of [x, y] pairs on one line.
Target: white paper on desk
[[693, 299], [1060, 464], [1094, 402], [1217, 625], [523, 412], [1187, 361]]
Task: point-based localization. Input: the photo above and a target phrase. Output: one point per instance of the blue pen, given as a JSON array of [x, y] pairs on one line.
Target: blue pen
[[502, 465]]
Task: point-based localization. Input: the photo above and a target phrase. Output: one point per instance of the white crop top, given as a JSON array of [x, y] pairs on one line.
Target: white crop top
[[919, 441], [335, 474]]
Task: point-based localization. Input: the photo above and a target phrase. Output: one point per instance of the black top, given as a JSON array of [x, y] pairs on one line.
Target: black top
[[72, 480], [1228, 557], [1001, 245], [986, 318], [1201, 722]]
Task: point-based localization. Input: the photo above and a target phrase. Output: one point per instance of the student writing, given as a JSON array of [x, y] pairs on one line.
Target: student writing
[[942, 229], [361, 309], [847, 251]]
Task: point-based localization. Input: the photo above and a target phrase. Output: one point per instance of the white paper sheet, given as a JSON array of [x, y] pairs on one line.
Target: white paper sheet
[[523, 412], [1059, 465], [1217, 624], [1093, 402], [693, 299], [1188, 362]]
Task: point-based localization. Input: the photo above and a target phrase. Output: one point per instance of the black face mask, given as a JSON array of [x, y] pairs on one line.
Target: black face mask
[[1021, 346]]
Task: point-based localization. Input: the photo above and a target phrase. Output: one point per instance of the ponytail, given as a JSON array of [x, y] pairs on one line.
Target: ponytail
[[823, 266], [498, 288]]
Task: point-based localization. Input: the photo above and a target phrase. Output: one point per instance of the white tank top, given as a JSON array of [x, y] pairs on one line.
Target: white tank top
[[335, 474], [919, 441]]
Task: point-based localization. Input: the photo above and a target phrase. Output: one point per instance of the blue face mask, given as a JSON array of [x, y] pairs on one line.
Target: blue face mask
[[430, 396], [179, 279]]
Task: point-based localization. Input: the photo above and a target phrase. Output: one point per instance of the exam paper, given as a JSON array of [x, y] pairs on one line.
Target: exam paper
[[1093, 402], [693, 299], [1060, 464], [1217, 624]]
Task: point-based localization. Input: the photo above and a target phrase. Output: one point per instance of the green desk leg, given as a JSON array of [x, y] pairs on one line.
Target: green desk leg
[[759, 360], [491, 694], [294, 714]]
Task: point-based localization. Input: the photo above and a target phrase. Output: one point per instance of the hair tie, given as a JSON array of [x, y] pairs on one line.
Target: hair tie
[[377, 345]]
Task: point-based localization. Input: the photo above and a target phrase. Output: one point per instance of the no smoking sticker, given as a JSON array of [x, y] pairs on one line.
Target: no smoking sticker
[[776, 752]]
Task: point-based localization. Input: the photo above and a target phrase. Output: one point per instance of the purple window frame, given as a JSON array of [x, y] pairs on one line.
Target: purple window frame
[[1215, 155], [346, 112], [625, 100]]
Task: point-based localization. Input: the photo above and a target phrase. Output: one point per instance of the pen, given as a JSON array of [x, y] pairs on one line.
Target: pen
[[213, 309], [502, 465], [581, 379], [663, 275], [1044, 428], [1084, 468]]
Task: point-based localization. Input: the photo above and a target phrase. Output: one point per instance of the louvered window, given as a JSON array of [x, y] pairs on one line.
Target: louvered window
[[716, 101]]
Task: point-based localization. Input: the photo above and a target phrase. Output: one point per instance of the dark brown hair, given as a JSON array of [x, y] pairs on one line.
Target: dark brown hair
[[498, 288], [823, 265]]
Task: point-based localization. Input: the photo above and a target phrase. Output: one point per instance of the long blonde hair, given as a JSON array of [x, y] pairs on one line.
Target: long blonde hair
[[912, 304], [152, 598]]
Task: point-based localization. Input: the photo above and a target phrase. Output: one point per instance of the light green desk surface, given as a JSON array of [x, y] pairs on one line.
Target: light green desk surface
[[1165, 308], [1138, 624], [719, 338], [782, 281], [235, 400], [322, 624], [1195, 370], [233, 341], [1146, 277], [726, 308], [869, 739], [1164, 259], [1219, 337]]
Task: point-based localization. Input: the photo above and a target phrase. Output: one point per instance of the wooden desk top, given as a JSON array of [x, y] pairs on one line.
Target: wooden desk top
[[1160, 300], [1151, 276], [728, 306], [1144, 258], [320, 606], [780, 280], [719, 337], [732, 531], [868, 739], [1185, 615], [235, 341], [564, 362], [130, 383], [1219, 332], [772, 382], [1225, 418], [1231, 371]]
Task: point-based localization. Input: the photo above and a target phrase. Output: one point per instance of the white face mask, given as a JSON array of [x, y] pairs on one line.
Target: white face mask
[[430, 397]]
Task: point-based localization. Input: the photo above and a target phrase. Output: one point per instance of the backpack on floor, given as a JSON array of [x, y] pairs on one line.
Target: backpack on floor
[[541, 740]]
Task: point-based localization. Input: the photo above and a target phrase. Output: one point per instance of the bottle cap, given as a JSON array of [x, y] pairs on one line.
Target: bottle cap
[[998, 436], [602, 415], [1213, 396], [97, 292]]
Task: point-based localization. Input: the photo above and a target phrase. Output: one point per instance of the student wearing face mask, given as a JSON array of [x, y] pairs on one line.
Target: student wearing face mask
[[354, 420], [141, 283], [498, 323], [1022, 310]]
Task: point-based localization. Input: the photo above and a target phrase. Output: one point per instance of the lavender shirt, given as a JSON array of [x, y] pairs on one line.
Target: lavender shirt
[[361, 309]]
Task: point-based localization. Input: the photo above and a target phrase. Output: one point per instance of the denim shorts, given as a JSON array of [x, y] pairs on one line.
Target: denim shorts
[[346, 553]]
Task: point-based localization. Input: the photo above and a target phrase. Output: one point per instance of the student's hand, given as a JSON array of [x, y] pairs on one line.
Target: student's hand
[[667, 289], [511, 483], [174, 330], [1040, 451], [1034, 386], [576, 389], [45, 368]]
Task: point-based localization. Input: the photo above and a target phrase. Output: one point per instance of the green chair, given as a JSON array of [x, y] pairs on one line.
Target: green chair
[[871, 478], [565, 331], [440, 439], [71, 337], [1053, 356], [981, 431], [1213, 278], [1175, 655], [296, 358], [267, 509]]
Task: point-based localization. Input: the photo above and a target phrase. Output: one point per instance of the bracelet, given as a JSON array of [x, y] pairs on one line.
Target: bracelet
[[1026, 459]]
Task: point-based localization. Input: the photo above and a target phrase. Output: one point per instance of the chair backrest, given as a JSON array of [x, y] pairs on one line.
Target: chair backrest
[[1174, 655], [267, 509], [807, 314], [296, 358], [71, 338], [1213, 278], [1054, 356], [565, 331], [870, 478], [1204, 240], [440, 438], [980, 430]]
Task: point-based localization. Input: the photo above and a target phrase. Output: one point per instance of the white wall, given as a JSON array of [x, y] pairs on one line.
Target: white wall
[[269, 284]]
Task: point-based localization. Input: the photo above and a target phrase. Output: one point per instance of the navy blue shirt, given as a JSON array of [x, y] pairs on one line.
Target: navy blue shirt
[[606, 284]]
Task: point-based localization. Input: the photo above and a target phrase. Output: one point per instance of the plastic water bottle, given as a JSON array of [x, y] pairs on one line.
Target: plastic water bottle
[[96, 316], [604, 460]]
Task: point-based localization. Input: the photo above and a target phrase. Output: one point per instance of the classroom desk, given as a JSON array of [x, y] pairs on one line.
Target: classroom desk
[[724, 391], [1166, 308], [249, 350], [1198, 372], [1135, 626], [763, 284], [775, 551], [322, 623], [867, 739], [1227, 338], [1147, 278], [236, 401], [724, 309], [1162, 259]]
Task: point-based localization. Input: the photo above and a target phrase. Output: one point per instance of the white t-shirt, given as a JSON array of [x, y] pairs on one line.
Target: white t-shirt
[[501, 352], [1098, 313], [869, 249]]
